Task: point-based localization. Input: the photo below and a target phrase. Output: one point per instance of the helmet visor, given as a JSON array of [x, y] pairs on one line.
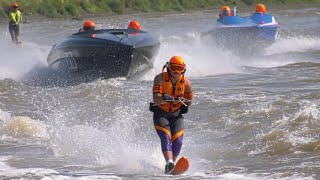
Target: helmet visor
[[176, 68], [226, 12], [88, 28]]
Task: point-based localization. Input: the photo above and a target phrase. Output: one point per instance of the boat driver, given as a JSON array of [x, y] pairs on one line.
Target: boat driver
[[169, 89], [260, 8], [88, 26], [134, 25], [225, 11]]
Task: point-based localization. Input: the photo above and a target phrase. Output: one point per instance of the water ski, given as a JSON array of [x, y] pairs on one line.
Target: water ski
[[181, 166]]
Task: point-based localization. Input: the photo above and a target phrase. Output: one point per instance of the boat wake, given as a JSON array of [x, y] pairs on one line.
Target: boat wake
[[18, 61], [294, 44]]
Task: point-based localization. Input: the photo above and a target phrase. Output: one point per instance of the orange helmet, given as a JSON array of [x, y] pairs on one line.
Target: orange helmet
[[14, 5], [226, 11], [225, 8], [261, 8], [134, 25], [176, 64], [88, 25]]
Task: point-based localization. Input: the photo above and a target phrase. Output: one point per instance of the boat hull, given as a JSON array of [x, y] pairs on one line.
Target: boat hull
[[108, 53]]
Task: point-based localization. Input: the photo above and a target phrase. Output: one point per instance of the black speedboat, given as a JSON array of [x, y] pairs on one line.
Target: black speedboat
[[107, 52]]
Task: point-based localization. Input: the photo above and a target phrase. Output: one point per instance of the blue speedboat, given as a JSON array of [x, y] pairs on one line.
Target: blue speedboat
[[251, 34], [257, 26]]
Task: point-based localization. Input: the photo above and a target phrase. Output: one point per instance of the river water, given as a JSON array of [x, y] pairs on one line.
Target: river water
[[254, 116]]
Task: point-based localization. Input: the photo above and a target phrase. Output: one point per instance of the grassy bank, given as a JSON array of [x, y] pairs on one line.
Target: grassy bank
[[78, 8]]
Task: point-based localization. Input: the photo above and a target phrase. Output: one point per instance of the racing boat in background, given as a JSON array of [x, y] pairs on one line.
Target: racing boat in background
[[258, 26], [105, 52], [256, 31]]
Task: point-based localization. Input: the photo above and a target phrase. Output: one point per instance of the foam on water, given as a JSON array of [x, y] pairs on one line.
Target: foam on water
[[200, 59], [17, 61], [109, 139], [19, 127], [9, 172], [294, 44]]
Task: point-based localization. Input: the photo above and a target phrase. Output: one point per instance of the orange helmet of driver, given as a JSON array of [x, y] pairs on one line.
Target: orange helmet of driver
[[134, 25], [176, 64], [226, 11], [88, 25], [225, 8], [14, 5], [260, 8]]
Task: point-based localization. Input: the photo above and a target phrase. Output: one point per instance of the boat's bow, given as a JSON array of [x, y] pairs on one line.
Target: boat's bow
[[111, 52]]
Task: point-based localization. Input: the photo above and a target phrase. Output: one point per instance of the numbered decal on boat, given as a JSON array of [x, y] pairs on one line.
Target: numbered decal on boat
[[70, 61]]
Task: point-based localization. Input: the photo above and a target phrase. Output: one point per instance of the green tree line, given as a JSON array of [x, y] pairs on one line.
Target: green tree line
[[78, 8]]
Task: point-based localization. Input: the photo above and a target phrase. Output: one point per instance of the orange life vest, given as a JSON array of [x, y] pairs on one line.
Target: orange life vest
[[176, 91]]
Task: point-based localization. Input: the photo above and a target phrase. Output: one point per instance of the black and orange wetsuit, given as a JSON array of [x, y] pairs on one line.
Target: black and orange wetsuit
[[167, 118]]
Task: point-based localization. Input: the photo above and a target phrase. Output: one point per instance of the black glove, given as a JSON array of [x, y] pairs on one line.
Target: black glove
[[183, 109], [167, 97]]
